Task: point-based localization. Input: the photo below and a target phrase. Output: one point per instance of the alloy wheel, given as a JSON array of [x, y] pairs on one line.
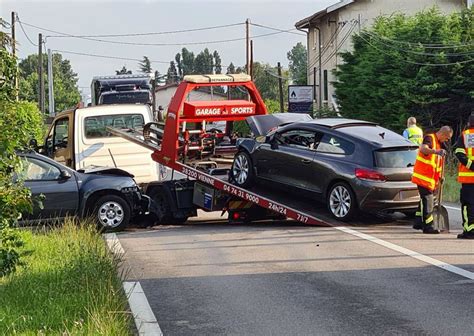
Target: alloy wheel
[[240, 169], [340, 201]]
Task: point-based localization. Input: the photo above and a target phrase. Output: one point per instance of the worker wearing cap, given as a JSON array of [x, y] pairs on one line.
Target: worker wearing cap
[[464, 151], [426, 175], [413, 132]]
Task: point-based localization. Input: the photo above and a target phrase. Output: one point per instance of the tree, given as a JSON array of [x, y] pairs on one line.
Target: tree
[[204, 62], [19, 122], [179, 64], [231, 68], [145, 66], [5, 39], [398, 69], [123, 71], [266, 79], [172, 74], [298, 57], [217, 62], [187, 59], [66, 93]]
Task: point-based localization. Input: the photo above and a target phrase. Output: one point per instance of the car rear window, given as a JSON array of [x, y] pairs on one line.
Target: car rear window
[[396, 157], [95, 127]]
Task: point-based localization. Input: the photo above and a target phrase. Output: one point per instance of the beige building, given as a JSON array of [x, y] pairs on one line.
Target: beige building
[[329, 33]]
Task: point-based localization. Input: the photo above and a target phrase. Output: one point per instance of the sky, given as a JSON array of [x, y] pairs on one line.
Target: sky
[[104, 17]]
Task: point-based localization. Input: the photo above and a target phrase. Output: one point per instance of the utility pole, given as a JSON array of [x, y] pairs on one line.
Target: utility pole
[[50, 84], [247, 43], [14, 52], [280, 86], [40, 73], [320, 94], [251, 59]]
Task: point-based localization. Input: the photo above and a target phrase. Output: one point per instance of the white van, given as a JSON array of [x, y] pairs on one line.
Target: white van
[[79, 139]]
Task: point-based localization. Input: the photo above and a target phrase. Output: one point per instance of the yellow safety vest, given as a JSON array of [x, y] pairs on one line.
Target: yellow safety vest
[[415, 134]]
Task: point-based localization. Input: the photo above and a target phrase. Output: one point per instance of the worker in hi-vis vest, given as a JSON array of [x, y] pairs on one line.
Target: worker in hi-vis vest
[[413, 132], [427, 173], [464, 151]]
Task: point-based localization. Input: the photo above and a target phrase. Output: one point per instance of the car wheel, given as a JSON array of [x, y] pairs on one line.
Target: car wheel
[[341, 201], [112, 213], [242, 170]]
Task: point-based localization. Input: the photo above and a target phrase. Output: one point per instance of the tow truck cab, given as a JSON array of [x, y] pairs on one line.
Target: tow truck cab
[[78, 139]]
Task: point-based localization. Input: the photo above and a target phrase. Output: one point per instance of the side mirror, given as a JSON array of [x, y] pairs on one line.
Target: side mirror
[[33, 144], [65, 175]]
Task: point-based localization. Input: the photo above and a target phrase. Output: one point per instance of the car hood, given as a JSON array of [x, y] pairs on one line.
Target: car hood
[[105, 171], [262, 124]]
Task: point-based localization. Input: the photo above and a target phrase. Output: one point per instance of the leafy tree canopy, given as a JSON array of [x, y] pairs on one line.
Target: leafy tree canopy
[[298, 57], [123, 71], [66, 93], [145, 66], [403, 66]]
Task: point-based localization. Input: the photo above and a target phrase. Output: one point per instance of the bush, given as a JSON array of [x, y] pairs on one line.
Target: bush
[[19, 123]]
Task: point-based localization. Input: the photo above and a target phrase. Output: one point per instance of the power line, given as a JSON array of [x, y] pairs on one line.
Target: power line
[[106, 56], [289, 31], [382, 41], [153, 44], [24, 32], [154, 33], [428, 46], [417, 63]]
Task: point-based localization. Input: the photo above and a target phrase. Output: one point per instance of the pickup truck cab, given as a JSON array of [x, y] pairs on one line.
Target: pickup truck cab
[[79, 139]]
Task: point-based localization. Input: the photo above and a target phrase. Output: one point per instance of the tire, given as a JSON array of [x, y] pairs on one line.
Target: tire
[[341, 202], [112, 213], [242, 170]]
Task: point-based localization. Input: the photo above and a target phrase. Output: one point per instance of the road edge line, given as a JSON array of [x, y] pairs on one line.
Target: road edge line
[[410, 253], [145, 320]]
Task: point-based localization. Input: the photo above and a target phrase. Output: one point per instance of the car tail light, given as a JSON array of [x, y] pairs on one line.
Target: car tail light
[[236, 215], [367, 174]]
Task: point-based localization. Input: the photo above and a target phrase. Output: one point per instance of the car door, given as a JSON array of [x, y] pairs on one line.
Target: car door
[[289, 160], [331, 159], [57, 190], [59, 142]]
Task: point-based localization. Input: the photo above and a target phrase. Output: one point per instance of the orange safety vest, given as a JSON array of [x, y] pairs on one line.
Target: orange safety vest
[[427, 170], [465, 175]]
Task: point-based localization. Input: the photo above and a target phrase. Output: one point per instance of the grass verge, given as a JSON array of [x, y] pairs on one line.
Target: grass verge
[[68, 285], [451, 188]]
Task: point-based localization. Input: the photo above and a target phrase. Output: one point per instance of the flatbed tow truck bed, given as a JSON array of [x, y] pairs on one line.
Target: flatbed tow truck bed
[[206, 162]]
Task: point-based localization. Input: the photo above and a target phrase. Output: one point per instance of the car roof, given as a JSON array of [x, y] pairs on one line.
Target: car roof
[[340, 122], [107, 108], [364, 131]]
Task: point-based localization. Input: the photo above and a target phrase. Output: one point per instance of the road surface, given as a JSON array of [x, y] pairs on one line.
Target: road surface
[[208, 278]]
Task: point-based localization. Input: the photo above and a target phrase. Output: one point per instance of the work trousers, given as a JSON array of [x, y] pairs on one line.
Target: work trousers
[[467, 207], [424, 214]]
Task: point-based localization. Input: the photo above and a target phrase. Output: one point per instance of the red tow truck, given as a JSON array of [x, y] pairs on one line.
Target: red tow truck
[[205, 157]]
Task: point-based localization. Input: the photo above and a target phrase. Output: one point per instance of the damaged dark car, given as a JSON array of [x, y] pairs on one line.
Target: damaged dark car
[[108, 195], [350, 165]]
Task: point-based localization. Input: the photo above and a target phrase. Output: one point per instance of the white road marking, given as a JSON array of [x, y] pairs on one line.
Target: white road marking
[[145, 320], [410, 253], [114, 244]]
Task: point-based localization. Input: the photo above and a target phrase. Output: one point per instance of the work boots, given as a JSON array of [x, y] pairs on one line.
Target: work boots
[[430, 230], [466, 235]]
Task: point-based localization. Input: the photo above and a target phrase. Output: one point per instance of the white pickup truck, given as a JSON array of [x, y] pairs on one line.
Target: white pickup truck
[[79, 139]]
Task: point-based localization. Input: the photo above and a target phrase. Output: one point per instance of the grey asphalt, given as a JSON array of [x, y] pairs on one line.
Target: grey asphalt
[[209, 278]]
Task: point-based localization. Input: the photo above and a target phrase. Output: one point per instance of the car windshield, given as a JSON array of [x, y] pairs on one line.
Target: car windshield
[[142, 97], [396, 157], [95, 127]]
